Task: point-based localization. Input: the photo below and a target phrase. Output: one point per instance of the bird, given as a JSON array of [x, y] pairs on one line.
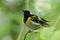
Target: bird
[[33, 21]]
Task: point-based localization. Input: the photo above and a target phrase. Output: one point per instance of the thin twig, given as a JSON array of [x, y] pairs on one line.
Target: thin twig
[[26, 34], [27, 4], [57, 20], [20, 33]]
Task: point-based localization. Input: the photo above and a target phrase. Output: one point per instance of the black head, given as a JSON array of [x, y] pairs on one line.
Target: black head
[[26, 13]]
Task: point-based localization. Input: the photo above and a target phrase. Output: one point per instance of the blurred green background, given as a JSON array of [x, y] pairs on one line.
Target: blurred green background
[[11, 19]]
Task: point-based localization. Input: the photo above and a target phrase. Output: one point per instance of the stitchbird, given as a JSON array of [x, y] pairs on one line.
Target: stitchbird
[[33, 21]]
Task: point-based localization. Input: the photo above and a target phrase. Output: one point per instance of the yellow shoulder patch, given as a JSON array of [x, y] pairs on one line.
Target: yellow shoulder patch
[[28, 20]]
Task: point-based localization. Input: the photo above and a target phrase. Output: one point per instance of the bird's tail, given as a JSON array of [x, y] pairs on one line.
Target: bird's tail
[[44, 22]]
